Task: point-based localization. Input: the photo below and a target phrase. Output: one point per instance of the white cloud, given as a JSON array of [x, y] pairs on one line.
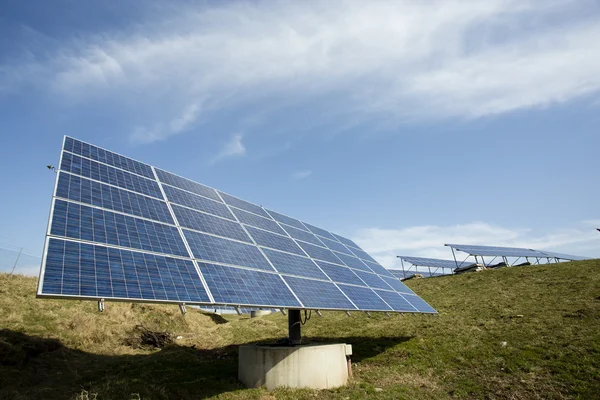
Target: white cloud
[[428, 241], [396, 60], [233, 148], [302, 174]]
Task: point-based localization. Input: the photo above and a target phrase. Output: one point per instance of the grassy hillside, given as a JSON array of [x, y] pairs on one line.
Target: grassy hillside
[[548, 317]]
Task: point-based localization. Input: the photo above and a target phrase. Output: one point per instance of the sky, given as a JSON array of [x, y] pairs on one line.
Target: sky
[[403, 125]]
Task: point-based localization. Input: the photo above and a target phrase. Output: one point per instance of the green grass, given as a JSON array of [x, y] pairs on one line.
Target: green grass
[[549, 317]]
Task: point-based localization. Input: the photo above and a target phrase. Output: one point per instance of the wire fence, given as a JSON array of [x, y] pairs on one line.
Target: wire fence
[[18, 260]]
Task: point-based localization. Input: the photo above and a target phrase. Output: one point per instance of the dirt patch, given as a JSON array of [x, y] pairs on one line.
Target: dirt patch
[[143, 338]]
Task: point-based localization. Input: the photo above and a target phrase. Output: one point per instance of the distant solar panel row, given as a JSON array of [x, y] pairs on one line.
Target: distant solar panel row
[[430, 262], [496, 251], [121, 229]]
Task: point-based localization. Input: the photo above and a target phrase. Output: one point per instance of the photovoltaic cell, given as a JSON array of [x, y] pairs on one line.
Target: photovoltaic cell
[[75, 188], [397, 285], [230, 285], [337, 246], [378, 269], [419, 303], [397, 302], [113, 176], [196, 202], [260, 222], [212, 248], [372, 280], [319, 231], [210, 224], [86, 270], [268, 239], [284, 219], [340, 274], [96, 225], [363, 255], [318, 294], [353, 262], [295, 265], [186, 184], [364, 298], [303, 235], [346, 241], [244, 205], [107, 157], [319, 253]]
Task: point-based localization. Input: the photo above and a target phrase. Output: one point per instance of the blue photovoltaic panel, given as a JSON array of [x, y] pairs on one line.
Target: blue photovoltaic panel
[[319, 231], [318, 294], [419, 303], [95, 225], [397, 285], [362, 255], [113, 176], [319, 253], [230, 285], [186, 184], [337, 273], [284, 219], [373, 280], [73, 187], [121, 229], [365, 298], [252, 219], [85, 270], [337, 246], [244, 205], [196, 202], [212, 248], [277, 242], [397, 302], [294, 265], [400, 274], [353, 262], [107, 157], [378, 269], [210, 224], [346, 241], [303, 235]]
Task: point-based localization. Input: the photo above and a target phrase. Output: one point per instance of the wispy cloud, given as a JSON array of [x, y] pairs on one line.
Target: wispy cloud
[[393, 60], [302, 174], [429, 240], [233, 148]]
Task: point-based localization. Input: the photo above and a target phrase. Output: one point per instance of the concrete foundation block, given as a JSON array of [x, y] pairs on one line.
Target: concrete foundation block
[[319, 366]]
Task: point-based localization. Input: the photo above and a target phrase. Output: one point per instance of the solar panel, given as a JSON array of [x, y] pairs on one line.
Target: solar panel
[[429, 262], [496, 251], [563, 256], [123, 230]]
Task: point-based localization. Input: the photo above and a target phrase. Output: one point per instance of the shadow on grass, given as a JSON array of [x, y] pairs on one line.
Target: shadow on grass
[[38, 368]]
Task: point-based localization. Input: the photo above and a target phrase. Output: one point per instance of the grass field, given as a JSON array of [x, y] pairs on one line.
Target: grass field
[[549, 317]]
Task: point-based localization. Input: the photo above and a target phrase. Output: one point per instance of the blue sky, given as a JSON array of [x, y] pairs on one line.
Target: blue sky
[[403, 125]]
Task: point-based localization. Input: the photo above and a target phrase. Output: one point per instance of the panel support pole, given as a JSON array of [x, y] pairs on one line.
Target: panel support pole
[[294, 327]]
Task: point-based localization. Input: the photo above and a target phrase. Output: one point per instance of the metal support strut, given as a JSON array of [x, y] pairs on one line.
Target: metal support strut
[[101, 305], [294, 327]]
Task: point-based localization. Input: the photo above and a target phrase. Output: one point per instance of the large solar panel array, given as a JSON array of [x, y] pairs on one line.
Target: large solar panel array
[[497, 251], [124, 230]]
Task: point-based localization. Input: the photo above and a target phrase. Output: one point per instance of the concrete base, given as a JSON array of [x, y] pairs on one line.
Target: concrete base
[[259, 313], [305, 366]]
